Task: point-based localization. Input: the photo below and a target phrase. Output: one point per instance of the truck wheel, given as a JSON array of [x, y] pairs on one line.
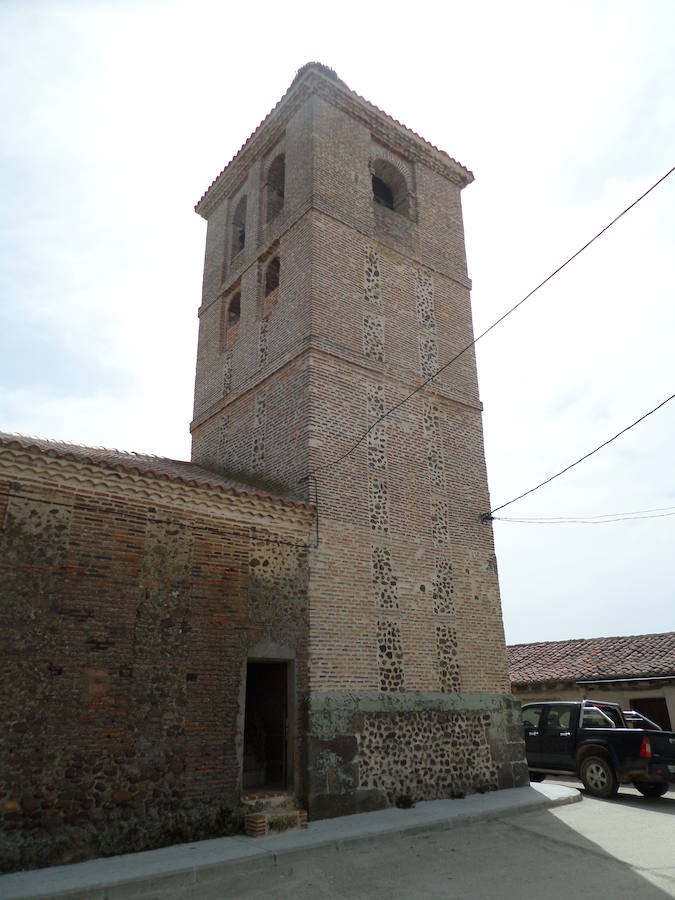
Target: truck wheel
[[598, 777], [651, 789]]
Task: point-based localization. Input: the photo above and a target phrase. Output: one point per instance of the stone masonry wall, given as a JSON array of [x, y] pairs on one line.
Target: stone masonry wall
[[125, 627], [367, 751]]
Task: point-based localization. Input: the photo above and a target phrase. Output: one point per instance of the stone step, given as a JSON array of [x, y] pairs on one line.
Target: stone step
[[258, 800], [274, 821]]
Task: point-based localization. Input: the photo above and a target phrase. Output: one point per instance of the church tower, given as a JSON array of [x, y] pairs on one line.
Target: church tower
[[335, 285]]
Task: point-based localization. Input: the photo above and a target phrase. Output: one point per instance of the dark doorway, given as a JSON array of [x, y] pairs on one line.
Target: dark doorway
[[654, 708], [265, 726]]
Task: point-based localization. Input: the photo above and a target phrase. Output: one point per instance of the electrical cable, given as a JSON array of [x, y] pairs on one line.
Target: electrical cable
[[632, 512], [488, 516], [332, 463], [582, 520]]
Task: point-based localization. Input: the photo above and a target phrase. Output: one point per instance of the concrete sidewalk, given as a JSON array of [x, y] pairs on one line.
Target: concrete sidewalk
[[155, 873]]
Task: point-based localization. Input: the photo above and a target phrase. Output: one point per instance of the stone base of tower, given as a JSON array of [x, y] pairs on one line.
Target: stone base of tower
[[367, 751]]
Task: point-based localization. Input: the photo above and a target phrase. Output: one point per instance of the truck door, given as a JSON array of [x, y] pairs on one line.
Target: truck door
[[555, 736], [531, 718]]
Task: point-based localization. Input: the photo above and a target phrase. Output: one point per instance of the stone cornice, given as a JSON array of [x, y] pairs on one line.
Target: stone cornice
[[382, 126], [307, 207], [33, 471], [334, 351]]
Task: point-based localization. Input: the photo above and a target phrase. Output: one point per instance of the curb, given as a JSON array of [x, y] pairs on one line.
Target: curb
[[154, 873]]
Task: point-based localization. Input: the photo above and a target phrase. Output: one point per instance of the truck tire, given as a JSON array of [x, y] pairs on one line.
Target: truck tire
[[650, 788], [598, 777]]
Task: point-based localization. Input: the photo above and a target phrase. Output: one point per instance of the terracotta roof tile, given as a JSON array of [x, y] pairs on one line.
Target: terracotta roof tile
[[143, 464], [632, 656]]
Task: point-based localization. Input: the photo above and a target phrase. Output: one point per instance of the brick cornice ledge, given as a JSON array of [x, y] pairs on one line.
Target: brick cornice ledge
[[33, 471]]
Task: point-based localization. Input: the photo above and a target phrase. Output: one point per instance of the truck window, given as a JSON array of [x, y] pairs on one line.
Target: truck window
[[612, 713], [594, 718], [531, 717], [557, 719]]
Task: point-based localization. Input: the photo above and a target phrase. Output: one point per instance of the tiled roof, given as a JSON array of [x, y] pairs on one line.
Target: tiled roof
[[634, 656], [141, 463], [325, 70]]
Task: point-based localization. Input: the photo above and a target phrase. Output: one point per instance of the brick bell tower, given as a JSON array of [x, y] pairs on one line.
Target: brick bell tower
[[335, 283]]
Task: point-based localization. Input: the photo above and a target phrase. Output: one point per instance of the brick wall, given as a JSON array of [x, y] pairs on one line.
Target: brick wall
[[125, 624], [403, 593]]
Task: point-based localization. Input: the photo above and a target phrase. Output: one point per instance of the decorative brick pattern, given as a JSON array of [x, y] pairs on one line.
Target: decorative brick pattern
[[277, 580], [377, 448], [259, 413], [373, 337], [379, 504], [431, 419], [223, 435], [424, 297], [428, 356], [262, 344], [384, 580], [372, 276], [439, 520], [390, 656], [436, 466], [375, 401], [227, 374], [258, 453], [451, 754], [448, 666], [444, 590]]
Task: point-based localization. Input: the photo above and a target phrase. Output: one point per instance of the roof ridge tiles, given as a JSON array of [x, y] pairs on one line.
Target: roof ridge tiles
[[614, 657], [179, 470]]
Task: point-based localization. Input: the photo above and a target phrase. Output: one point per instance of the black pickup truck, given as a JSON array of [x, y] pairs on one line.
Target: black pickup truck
[[590, 739]]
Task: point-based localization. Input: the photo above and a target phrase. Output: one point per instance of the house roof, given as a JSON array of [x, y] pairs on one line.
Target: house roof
[[608, 658], [328, 73], [142, 464]]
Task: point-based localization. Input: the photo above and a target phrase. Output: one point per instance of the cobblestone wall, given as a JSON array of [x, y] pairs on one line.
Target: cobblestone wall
[[367, 751]]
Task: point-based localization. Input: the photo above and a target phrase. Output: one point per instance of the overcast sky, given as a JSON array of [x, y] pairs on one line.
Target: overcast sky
[[115, 117]]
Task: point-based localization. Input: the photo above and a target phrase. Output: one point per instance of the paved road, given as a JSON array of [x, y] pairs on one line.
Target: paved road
[[621, 848]]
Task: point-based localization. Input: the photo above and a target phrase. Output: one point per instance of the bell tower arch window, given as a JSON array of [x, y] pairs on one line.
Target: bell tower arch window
[[239, 227], [390, 188], [275, 187]]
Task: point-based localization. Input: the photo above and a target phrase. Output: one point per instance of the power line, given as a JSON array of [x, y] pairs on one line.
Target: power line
[[633, 512], [585, 520], [332, 463], [488, 516]]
